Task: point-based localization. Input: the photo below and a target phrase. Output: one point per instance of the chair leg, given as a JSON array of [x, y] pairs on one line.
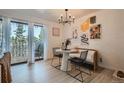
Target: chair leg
[[94, 68], [78, 70], [71, 67], [57, 65], [90, 71], [67, 67], [59, 62], [75, 67], [52, 61], [81, 77], [81, 74]]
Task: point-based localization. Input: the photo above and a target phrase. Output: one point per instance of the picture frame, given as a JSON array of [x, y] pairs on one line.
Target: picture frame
[[55, 31], [93, 20], [95, 32], [85, 26]]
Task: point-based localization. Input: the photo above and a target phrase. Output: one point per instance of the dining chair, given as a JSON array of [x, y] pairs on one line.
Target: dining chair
[[5, 63], [78, 62], [56, 55]]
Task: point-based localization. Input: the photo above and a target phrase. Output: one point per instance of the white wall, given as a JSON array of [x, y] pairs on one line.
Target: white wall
[[111, 44], [52, 41]]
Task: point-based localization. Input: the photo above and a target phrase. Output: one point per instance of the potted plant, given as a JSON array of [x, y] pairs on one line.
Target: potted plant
[[67, 42]]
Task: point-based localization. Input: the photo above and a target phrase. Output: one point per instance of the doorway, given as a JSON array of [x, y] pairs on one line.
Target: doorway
[[19, 42], [38, 40]]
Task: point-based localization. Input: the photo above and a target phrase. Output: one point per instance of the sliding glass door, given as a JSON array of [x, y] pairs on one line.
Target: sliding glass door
[[1, 37], [25, 41], [19, 42], [38, 42]]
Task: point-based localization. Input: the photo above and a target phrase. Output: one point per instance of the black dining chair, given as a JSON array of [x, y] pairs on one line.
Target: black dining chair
[[78, 62], [56, 55]]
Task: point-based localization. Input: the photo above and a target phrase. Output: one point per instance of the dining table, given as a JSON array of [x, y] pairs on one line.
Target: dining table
[[65, 58]]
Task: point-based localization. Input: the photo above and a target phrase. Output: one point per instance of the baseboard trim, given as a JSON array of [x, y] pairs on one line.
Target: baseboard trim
[[107, 67], [38, 59], [18, 63], [25, 62]]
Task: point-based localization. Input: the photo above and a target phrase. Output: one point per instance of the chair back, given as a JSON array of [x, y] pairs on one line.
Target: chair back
[[7, 57], [54, 51], [83, 55], [6, 69]]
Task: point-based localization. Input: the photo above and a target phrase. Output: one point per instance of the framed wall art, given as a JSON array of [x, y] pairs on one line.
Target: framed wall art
[[95, 32], [92, 19], [55, 31], [85, 26]]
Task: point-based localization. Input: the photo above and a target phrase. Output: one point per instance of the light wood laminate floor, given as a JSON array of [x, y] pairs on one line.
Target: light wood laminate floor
[[43, 72]]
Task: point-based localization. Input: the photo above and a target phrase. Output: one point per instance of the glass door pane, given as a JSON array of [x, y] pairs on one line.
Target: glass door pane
[[19, 42], [38, 41], [1, 37]]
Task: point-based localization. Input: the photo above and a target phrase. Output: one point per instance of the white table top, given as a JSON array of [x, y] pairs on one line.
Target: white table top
[[66, 51]]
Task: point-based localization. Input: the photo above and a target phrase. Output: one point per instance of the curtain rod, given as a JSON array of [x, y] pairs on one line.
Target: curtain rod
[[38, 25], [19, 22]]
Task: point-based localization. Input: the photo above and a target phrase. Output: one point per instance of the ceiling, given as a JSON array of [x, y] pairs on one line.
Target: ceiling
[[46, 14]]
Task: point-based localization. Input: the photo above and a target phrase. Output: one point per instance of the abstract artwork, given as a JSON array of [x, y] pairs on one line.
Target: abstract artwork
[[85, 26], [55, 31], [95, 32], [75, 34], [92, 19], [84, 40]]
